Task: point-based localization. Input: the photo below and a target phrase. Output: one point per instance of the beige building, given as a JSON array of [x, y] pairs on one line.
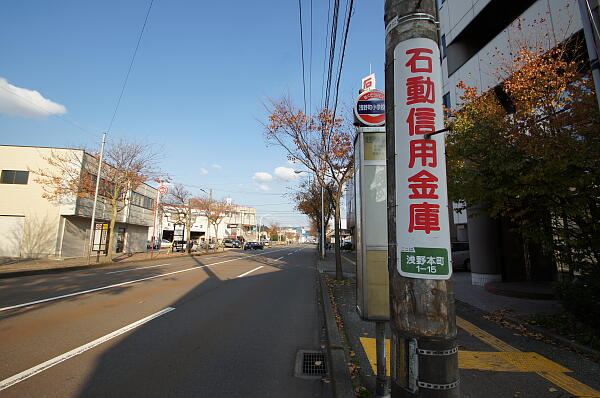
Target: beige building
[[32, 226]]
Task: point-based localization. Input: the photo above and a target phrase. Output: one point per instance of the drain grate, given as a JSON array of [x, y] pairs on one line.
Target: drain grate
[[310, 364]]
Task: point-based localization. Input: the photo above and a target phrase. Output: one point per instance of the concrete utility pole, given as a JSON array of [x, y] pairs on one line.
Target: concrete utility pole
[[424, 355], [92, 226]]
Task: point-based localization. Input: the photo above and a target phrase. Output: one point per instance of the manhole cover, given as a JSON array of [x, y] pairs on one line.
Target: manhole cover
[[310, 364]]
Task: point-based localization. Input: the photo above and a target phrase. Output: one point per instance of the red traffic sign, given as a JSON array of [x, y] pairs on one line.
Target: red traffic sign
[[370, 108], [162, 190]]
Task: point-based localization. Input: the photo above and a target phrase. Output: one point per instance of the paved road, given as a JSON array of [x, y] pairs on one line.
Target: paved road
[[229, 324]]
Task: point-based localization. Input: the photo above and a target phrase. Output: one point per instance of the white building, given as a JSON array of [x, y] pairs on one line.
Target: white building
[[32, 226], [240, 222]]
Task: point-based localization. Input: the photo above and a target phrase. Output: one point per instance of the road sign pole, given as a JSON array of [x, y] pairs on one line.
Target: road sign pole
[[424, 356]]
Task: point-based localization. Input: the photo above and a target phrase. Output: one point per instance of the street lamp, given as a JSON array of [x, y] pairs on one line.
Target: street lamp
[[322, 216]]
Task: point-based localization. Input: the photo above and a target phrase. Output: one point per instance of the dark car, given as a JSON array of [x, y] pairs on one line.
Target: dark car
[[461, 256], [253, 246], [347, 245]]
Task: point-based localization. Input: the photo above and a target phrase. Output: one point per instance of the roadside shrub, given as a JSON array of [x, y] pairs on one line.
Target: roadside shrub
[[582, 299]]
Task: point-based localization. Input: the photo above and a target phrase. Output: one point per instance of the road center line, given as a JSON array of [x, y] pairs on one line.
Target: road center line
[[125, 283], [249, 272], [133, 269], [67, 355]]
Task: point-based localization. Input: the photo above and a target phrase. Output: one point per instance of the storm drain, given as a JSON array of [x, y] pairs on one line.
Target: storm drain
[[310, 364]]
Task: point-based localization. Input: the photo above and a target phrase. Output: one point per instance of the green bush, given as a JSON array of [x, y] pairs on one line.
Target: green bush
[[582, 299]]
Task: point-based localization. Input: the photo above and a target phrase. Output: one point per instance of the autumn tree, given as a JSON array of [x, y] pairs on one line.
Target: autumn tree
[[126, 166], [528, 151], [308, 201], [322, 143]]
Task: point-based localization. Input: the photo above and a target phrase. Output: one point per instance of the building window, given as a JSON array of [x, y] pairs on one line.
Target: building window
[[446, 101], [14, 177], [142, 201], [443, 45]]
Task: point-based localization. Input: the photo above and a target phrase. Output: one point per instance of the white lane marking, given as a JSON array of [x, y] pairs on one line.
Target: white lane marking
[[79, 350], [123, 283], [134, 269], [291, 253], [251, 271], [277, 259]]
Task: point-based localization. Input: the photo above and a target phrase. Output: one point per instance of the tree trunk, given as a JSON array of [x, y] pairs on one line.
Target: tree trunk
[[338, 255], [111, 235]]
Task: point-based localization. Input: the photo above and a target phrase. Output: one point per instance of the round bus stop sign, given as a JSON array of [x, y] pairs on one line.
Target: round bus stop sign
[[370, 108], [162, 189]]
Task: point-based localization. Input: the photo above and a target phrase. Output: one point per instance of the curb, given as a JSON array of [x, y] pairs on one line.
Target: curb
[[563, 340], [342, 386], [492, 287], [60, 270]]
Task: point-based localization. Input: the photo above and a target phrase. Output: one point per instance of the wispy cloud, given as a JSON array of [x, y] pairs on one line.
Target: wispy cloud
[[286, 174], [264, 187], [217, 166], [262, 177], [203, 171], [18, 101]]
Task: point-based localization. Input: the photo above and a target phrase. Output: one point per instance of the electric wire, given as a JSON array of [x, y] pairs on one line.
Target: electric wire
[[137, 46], [302, 52], [310, 59], [337, 89], [325, 54]]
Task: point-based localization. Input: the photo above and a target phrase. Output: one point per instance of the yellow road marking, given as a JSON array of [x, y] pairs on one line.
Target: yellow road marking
[[484, 336], [509, 359]]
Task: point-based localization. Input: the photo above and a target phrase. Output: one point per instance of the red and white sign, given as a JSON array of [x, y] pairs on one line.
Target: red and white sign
[[368, 83], [423, 237], [370, 108], [163, 190]]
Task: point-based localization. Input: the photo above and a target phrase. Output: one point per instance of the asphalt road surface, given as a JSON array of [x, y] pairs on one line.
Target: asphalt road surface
[[229, 324]]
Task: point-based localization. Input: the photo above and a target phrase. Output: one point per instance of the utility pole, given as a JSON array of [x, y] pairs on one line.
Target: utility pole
[[92, 226], [424, 354], [208, 219]]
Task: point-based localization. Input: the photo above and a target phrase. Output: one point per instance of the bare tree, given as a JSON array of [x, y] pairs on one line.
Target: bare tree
[[127, 165], [322, 143], [308, 201], [216, 210], [178, 202]]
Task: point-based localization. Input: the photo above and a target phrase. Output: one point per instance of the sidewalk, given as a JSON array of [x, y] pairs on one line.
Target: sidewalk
[[497, 358], [10, 268]]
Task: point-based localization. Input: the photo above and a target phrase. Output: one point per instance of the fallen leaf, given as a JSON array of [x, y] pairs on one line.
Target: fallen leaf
[[552, 389], [318, 363]]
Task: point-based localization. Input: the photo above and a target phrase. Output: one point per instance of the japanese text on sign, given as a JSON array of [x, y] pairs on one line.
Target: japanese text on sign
[[422, 219]]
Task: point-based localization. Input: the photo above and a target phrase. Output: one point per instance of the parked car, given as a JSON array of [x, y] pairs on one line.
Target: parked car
[[461, 256], [165, 244], [346, 245], [266, 243], [227, 242], [211, 245]]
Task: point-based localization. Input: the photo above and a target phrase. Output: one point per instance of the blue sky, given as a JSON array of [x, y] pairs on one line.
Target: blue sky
[[201, 75]]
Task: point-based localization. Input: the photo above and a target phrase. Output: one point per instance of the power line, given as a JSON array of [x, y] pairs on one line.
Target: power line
[[337, 89], [302, 52], [325, 54], [130, 66], [310, 59]]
